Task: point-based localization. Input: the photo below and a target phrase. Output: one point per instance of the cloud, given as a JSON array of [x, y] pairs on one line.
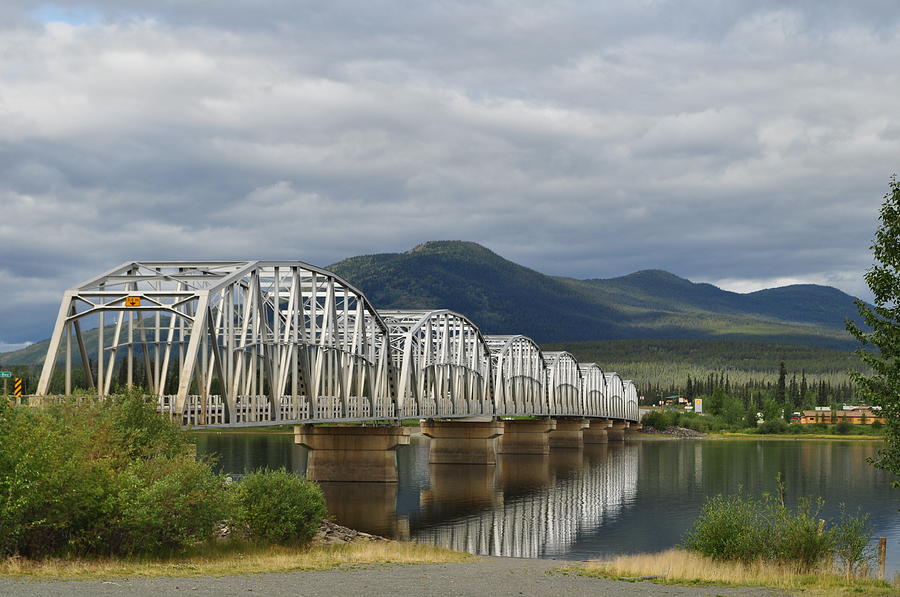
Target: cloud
[[743, 143]]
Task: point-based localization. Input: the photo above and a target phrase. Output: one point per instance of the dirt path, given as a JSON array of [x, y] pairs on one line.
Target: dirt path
[[497, 577]]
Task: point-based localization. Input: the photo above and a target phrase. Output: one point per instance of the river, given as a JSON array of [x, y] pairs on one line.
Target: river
[[581, 504]]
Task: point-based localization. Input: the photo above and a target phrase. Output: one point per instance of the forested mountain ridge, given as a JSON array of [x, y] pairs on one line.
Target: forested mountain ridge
[[504, 297]]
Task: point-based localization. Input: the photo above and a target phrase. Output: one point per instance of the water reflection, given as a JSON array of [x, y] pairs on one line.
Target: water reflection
[[368, 507], [526, 506], [606, 499]]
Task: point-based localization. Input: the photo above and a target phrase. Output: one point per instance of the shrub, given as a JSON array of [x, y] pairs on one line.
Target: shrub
[[801, 538], [660, 419], [729, 528], [876, 426], [99, 478], [843, 428], [773, 426], [852, 537], [745, 529], [166, 505], [277, 506]]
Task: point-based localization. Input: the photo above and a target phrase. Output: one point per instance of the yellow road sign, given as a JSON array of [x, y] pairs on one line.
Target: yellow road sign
[[132, 301], [17, 387]]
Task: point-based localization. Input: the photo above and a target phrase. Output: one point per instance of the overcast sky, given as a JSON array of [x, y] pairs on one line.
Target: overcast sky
[[747, 144]]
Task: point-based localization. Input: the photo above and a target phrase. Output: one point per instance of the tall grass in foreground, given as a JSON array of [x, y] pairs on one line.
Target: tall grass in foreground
[[684, 567], [230, 558]]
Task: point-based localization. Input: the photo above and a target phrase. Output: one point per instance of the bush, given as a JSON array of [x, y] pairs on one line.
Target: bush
[[773, 426], [876, 427], [852, 536], [277, 506], [843, 428], [166, 505], [801, 538], [729, 528], [745, 529], [98, 478], [660, 419]]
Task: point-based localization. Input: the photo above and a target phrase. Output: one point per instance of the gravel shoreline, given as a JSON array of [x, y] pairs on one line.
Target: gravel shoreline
[[494, 576]]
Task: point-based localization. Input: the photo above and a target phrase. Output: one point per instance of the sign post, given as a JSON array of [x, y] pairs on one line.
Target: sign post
[[5, 375]]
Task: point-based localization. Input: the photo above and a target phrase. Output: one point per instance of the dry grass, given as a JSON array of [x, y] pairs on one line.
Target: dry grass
[[777, 436], [683, 567], [226, 560]]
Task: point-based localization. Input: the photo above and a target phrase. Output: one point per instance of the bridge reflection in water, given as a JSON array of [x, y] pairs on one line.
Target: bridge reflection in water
[[525, 506]]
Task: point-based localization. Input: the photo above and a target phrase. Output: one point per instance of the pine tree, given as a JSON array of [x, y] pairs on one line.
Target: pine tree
[[794, 392], [822, 394], [781, 389], [882, 386], [804, 388]]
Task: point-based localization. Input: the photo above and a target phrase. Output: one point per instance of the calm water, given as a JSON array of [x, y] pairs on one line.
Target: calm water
[[636, 497]]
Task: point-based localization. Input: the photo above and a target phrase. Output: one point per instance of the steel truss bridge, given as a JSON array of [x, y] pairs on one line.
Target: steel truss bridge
[[245, 343]]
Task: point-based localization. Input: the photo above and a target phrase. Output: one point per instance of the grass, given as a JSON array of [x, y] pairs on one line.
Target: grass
[[235, 559], [681, 567], [750, 435]]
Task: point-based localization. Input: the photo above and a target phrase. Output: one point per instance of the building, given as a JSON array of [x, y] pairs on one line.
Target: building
[[858, 415]]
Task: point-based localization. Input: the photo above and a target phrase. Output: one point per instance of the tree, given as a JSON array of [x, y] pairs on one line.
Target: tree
[[804, 389], [732, 411], [771, 410], [781, 390], [882, 386], [716, 401]]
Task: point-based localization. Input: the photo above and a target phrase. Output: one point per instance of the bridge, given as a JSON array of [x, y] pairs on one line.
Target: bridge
[[252, 343]]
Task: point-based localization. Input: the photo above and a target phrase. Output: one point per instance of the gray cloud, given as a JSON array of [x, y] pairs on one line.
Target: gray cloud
[[747, 144]]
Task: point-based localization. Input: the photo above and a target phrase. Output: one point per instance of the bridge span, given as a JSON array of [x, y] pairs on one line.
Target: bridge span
[[251, 343]]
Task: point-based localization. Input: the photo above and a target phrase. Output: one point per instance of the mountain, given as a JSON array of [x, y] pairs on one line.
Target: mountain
[[502, 297]]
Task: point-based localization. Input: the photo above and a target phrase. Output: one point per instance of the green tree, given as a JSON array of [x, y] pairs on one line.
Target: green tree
[[716, 401], [804, 391], [771, 410], [732, 411], [781, 390], [882, 385]]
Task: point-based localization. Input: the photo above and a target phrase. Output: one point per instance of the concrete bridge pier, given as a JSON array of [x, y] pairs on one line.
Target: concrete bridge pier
[[595, 433], [462, 441], [616, 433], [363, 454], [526, 437], [568, 433]]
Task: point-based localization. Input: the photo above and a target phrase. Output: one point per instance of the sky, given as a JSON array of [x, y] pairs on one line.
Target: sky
[[743, 143]]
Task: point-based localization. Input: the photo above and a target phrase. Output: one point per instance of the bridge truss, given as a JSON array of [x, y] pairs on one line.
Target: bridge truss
[[593, 388], [442, 361], [519, 374], [232, 343], [563, 385], [272, 342]]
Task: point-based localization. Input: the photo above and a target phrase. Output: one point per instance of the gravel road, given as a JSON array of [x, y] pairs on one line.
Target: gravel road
[[497, 577]]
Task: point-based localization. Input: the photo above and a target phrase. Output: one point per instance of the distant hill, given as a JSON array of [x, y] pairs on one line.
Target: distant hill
[[502, 297]]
